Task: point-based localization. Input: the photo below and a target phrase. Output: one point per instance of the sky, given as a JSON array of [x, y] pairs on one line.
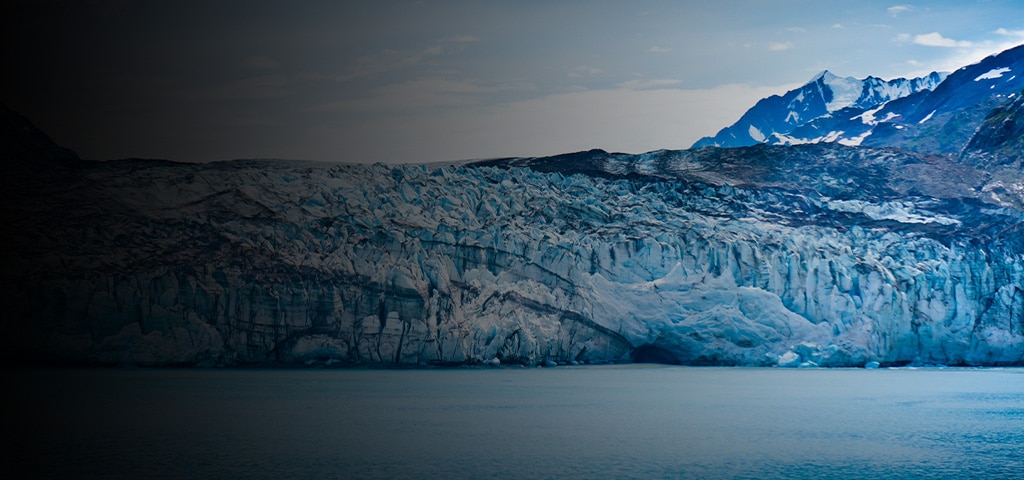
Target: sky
[[429, 81]]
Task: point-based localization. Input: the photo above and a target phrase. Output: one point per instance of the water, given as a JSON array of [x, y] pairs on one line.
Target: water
[[568, 422]]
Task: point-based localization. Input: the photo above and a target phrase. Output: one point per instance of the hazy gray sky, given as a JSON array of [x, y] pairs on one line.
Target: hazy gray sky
[[420, 81]]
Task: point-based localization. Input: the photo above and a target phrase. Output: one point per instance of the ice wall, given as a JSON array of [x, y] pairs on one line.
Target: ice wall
[[257, 262]]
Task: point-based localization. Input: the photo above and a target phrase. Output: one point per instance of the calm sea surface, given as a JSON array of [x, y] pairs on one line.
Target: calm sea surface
[[569, 422]]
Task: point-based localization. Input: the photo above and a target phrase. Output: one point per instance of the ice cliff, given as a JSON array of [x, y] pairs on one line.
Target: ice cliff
[[811, 255]]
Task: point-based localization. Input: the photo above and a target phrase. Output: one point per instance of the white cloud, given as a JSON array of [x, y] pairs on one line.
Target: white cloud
[[1010, 33], [966, 53], [644, 84], [896, 10], [780, 46], [838, 26], [935, 39], [659, 50], [584, 70]]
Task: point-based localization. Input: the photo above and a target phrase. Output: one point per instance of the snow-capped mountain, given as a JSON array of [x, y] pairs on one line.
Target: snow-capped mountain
[[775, 116], [933, 114], [945, 119]]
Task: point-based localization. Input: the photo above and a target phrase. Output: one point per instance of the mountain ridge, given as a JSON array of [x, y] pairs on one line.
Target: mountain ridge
[[824, 94], [937, 113]]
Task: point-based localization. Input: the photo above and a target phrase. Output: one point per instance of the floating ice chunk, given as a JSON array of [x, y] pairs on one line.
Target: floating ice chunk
[[789, 360], [872, 365]]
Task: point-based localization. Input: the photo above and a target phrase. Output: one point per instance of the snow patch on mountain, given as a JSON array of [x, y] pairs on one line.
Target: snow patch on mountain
[[845, 90], [992, 74], [854, 141], [868, 116], [755, 134]]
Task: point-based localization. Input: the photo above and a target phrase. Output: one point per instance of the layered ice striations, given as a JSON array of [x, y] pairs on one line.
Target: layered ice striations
[[256, 262]]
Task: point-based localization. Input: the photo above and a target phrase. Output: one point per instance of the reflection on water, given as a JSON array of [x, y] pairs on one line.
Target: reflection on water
[[568, 422]]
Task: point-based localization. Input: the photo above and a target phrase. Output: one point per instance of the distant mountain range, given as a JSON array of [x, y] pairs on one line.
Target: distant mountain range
[[937, 113]]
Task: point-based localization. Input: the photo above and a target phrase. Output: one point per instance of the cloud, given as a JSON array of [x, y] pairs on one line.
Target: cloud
[[896, 10], [370, 66], [645, 84], [263, 86], [261, 63], [964, 53], [460, 39], [838, 26], [935, 39], [780, 46], [659, 50], [1010, 33], [584, 70], [418, 94]]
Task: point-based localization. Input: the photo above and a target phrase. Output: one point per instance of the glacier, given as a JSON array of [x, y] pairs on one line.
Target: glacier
[[816, 255]]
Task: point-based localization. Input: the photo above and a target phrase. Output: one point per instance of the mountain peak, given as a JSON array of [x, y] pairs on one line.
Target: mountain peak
[[822, 75]]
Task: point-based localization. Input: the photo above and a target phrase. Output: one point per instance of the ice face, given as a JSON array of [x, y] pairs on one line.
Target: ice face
[[284, 262]]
